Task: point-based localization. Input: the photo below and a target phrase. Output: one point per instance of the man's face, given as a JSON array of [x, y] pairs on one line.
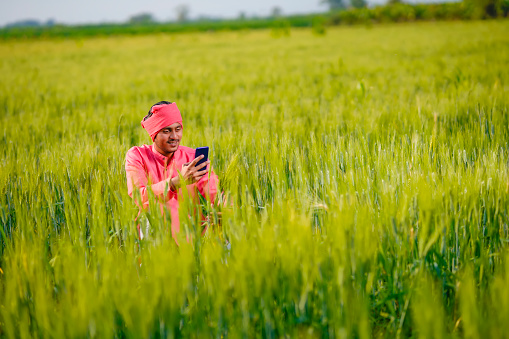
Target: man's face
[[168, 139]]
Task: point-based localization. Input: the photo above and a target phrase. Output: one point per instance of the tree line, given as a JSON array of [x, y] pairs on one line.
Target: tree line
[[340, 13]]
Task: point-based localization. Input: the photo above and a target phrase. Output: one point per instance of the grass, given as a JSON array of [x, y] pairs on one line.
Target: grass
[[367, 171]]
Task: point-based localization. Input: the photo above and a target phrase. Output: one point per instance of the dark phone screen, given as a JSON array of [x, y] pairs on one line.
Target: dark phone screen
[[202, 151]]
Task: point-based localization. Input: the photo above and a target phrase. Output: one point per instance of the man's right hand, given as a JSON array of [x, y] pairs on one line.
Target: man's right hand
[[191, 173]]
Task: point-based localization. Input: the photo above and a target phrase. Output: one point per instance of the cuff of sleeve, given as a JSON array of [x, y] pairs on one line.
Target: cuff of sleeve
[[160, 189], [173, 188]]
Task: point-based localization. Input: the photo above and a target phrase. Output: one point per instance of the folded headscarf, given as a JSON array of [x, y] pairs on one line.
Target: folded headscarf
[[162, 116]]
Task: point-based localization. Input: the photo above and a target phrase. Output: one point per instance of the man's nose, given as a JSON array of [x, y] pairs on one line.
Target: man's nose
[[173, 135]]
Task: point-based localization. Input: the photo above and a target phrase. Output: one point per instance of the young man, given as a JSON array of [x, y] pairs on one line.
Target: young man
[[156, 167]]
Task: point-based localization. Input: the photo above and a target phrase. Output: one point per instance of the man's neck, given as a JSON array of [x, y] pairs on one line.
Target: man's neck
[[168, 155]]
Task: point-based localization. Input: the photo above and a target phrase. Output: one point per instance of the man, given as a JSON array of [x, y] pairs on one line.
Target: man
[[156, 167]]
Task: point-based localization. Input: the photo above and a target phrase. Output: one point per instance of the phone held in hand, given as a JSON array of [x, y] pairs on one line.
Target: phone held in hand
[[202, 151]]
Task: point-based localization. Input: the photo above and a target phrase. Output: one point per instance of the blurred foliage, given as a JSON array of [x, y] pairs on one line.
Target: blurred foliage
[[401, 12], [334, 4], [141, 19], [358, 13], [359, 3]]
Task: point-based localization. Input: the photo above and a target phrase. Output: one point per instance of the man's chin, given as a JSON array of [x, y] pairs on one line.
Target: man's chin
[[173, 148]]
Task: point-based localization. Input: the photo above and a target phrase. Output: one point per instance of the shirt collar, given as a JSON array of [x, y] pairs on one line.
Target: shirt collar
[[160, 156]]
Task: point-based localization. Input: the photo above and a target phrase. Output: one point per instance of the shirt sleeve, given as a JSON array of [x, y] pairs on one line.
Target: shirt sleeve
[[137, 178]]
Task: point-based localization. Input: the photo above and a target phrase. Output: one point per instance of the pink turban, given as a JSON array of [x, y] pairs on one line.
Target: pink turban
[[162, 116]]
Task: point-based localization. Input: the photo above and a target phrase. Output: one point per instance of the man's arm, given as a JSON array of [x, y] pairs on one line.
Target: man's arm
[[197, 177], [190, 173], [137, 178]]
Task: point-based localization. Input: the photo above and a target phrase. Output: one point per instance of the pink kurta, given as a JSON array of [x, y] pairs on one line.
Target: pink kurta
[[144, 164]]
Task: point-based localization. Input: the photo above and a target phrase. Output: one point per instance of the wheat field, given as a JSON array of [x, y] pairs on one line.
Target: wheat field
[[364, 175]]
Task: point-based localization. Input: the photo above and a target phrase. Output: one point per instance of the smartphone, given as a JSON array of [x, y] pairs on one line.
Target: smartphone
[[202, 151]]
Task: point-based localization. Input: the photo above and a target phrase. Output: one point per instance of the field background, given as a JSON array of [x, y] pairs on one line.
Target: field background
[[366, 172]]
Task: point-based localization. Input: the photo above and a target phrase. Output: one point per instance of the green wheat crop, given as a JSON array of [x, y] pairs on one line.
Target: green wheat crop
[[365, 176]]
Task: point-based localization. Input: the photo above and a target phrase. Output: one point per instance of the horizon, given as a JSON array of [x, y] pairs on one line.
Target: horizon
[[115, 12]]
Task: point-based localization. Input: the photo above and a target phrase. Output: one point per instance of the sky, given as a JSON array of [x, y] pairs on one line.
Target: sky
[[95, 11]]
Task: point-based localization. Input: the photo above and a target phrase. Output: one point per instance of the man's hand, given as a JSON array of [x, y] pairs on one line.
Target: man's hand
[[190, 173]]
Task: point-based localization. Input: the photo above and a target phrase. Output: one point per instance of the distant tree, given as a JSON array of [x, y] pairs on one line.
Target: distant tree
[[242, 16], [182, 13], [25, 23], [277, 12], [142, 18], [334, 4], [484, 9], [393, 2], [358, 3]]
